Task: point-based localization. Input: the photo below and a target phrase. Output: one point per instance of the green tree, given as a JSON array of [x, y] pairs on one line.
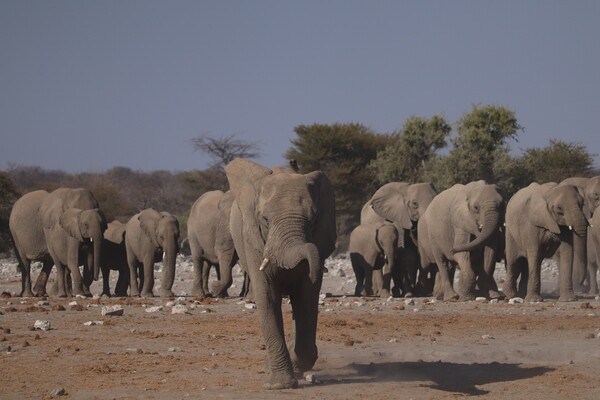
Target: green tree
[[8, 196], [415, 145], [557, 161], [343, 152], [481, 142]]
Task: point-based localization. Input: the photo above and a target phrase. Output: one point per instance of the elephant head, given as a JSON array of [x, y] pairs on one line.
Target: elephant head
[[562, 206], [288, 218], [163, 231], [86, 225], [402, 204], [480, 213]]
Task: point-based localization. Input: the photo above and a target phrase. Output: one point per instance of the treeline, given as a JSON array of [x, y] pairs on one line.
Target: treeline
[[356, 159]]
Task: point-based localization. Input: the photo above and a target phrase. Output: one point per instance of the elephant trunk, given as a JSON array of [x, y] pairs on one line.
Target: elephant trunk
[[97, 245], [287, 247], [170, 255], [579, 228], [490, 225]]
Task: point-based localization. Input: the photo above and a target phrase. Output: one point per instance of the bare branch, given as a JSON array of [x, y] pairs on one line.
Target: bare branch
[[224, 149]]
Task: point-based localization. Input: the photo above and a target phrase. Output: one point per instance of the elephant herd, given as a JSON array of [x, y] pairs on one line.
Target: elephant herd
[[417, 238], [280, 226]]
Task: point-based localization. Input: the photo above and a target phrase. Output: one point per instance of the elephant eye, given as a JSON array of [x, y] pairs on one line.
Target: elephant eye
[[476, 208]]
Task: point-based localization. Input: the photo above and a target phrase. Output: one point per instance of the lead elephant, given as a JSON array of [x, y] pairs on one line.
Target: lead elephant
[[459, 229], [114, 257], [403, 205], [210, 242], [540, 219], [151, 237], [283, 227], [33, 224], [373, 247], [589, 189]]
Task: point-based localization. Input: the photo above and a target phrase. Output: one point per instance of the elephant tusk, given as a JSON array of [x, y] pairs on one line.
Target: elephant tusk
[[91, 240], [570, 228], [164, 254], [264, 264], [480, 226]]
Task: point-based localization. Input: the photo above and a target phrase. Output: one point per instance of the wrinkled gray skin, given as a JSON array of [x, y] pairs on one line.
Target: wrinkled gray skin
[[151, 237], [283, 227], [114, 257], [403, 205], [593, 254], [459, 229], [211, 243], [589, 189], [373, 247], [38, 236], [541, 219]]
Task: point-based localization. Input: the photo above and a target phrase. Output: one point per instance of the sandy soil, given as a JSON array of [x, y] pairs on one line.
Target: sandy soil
[[368, 346]]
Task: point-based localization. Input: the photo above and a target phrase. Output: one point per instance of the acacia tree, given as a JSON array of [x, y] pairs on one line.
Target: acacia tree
[[557, 161], [479, 148], [224, 149], [414, 146]]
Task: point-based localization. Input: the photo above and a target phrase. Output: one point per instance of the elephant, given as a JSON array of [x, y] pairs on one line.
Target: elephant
[[210, 241], [283, 227], [151, 236], [460, 228], [37, 232], [589, 189], [373, 247], [541, 219], [593, 254], [114, 257], [403, 205]]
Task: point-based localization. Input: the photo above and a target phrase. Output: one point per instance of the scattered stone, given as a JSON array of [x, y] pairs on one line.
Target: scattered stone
[[73, 303], [154, 309], [42, 325], [409, 302], [180, 300], [482, 299], [515, 300], [37, 337], [349, 343], [179, 309], [310, 378], [92, 323], [394, 340], [494, 301], [250, 306], [585, 305], [76, 307], [58, 307], [5, 295], [174, 349], [26, 344], [112, 310], [43, 303], [8, 348], [487, 337], [170, 304]]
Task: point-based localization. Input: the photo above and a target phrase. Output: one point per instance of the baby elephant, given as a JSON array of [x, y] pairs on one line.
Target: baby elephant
[[373, 247]]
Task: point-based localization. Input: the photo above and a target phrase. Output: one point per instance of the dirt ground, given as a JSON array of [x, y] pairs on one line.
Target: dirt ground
[[367, 347]]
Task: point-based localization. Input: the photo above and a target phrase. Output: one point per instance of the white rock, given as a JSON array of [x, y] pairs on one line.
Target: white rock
[[480, 299], [515, 300], [250, 306], [73, 303], [494, 301], [42, 325], [179, 309], [43, 303], [310, 378], [487, 337], [393, 340], [92, 323], [154, 309], [180, 300], [174, 349], [112, 310], [170, 304], [409, 302]]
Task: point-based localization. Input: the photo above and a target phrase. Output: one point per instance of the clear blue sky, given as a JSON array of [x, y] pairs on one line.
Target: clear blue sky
[[87, 85]]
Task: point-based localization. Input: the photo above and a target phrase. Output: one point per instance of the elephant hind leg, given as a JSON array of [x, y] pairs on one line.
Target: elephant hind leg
[[303, 345]]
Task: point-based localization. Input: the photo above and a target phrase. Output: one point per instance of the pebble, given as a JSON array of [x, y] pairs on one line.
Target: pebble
[[179, 309], [174, 349], [250, 306], [43, 303], [480, 299], [515, 300], [92, 323], [310, 378], [112, 310], [42, 325], [73, 303], [58, 392], [409, 302], [487, 337], [153, 309]]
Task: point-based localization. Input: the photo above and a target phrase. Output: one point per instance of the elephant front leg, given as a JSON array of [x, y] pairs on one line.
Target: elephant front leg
[[593, 276], [268, 302], [566, 272], [25, 268], [443, 289], [534, 283], [303, 347], [133, 275], [148, 278], [42, 279], [197, 289]]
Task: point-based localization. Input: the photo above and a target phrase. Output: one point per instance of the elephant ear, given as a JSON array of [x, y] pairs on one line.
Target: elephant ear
[[69, 221], [463, 217], [540, 215], [244, 177], [324, 233], [149, 223], [115, 232], [389, 202], [164, 214]]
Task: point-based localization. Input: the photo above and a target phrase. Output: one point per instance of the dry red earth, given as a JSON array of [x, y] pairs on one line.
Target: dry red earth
[[369, 348]]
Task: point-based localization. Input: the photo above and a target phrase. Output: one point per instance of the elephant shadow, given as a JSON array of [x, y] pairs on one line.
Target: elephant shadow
[[466, 379]]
